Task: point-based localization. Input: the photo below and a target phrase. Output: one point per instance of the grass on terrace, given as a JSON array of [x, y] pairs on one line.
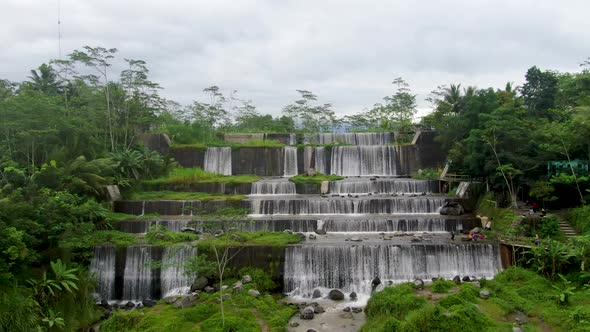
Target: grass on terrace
[[318, 178], [179, 195], [187, 176]]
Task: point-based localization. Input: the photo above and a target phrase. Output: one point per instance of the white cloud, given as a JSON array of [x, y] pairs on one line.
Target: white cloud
[[347, 52]]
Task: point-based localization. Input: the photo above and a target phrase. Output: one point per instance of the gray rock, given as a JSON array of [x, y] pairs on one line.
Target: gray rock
[[246, 279], [476, 284], [199, 284], [148, 303], [225, 296], [293, 324], [316, 293], [320, 232], [466, 279], [336, 295], [484, 294], [318, 309], [193, 296], [451, 208], [209, 289], [288, 231], [307, 313], [353, 296], [457, 280], [186, 301], [238, 287], [347, 309], [254, 292], [171, 299], [224, 287], [356, 310], [311, 330], [312, 237], [419, 284], [516, 329], [356, 239], [129, 305], [190, 230]]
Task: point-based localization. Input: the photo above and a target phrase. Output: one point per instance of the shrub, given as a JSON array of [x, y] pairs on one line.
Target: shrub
[[442, 285], [549, 227], [263, 281], [396, 301]]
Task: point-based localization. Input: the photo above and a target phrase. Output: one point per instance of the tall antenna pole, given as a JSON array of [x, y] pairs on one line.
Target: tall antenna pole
[[59, 27]]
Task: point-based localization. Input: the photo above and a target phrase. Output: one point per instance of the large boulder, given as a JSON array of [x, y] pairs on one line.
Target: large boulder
[[307, 313], [246, 279], [254, 292], [457, 280], [199, 284], [353, 296], [452, 208], [187, 301], [336, 295], [238, 287], [320, 231], [148, 303], [484, 294], [316, 293], [419, 284]]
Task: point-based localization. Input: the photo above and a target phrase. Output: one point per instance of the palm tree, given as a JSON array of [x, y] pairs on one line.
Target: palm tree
[[45, 80]]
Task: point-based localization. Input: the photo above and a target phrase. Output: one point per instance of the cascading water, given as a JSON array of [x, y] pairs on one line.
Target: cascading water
[[137, 277], [383, 186], [174, 280], [306, 206], [351, 268], [142, 226], [349, 138], [315, 158], [273, 187], [102, 267], [290, 161], [364, 160], [218, 160]]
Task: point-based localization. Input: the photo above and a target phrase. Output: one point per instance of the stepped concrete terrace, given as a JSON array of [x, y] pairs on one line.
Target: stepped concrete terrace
[[375, 223]]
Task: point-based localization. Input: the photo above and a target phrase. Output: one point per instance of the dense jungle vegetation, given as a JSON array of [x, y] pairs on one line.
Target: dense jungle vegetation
[[71, 128]]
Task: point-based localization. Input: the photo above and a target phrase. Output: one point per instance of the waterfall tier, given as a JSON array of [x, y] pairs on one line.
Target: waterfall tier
[[383, 186], [352, 268], [141, 271], [345, 205], [273, 187], [290, 161], [349, 138], [365, 161], [315, 158], [218, 160], [103, 267]]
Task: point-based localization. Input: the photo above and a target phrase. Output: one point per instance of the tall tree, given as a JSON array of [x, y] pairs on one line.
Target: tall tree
[[539, 92], [99, 59], [312, 118]]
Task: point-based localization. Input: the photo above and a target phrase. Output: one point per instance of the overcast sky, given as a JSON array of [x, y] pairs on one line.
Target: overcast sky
[[346, 52]]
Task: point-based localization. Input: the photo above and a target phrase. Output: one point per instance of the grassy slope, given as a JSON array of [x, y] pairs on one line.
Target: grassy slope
[[514, 292], [242, 313]]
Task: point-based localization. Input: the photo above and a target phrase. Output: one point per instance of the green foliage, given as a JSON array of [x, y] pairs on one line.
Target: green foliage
[[187, 176], [394, 301], [18, 310], [442, 285], [564, 289], [261, 278], [179, 195], [317, 179], [579, 218], [313, 118], [272, 239], [427, 174], [242, 313], [549, 227], [159, 235]]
